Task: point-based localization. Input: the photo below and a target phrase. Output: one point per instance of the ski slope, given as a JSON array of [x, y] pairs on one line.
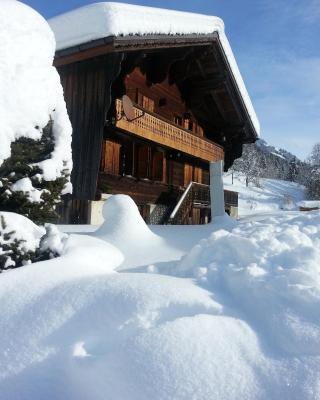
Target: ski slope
[[272, 194]]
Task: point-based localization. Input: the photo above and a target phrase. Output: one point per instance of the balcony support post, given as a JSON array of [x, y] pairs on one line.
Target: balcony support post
[[216, 189]]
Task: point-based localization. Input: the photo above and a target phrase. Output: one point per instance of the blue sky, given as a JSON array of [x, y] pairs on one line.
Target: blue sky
[[276, 44]]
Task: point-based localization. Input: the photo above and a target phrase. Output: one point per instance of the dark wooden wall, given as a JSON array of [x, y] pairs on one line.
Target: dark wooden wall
[[149, 161], [167, 99], [87, 87]]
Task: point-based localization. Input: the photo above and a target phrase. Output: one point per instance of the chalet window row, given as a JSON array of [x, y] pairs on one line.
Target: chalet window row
[[145, 162]]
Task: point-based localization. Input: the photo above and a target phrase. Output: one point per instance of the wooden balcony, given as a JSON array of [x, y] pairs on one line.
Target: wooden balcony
[[153, 127]]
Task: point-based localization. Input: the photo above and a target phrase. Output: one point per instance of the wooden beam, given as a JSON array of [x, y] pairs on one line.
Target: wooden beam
[[129, 44], [198, 88], [82, 55]]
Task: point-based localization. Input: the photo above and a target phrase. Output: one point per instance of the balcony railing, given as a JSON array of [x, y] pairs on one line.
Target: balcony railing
[[154, 128]]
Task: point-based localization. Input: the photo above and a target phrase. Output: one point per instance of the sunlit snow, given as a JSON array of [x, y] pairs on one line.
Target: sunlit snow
[[228, 310]]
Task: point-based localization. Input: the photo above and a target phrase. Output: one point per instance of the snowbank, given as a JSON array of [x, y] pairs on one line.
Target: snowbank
[[237, 317], [30, 87], [100, 20], [240, 321], [125, 229], [268, 270], [309, 203]]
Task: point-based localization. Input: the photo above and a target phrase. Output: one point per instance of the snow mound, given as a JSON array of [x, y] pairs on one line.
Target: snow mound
[[123, 221], [269, 270], [130, 336], [309, 203], [30, 87], [100, 20], [240, 320], [125, 229]]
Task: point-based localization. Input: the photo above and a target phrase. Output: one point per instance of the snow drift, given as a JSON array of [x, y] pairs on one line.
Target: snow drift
[[237, 317], [125, 229], [270, 269], [31, 93]]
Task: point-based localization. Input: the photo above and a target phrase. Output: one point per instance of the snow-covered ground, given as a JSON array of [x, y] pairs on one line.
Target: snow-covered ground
[[271, 195], [224, 311]]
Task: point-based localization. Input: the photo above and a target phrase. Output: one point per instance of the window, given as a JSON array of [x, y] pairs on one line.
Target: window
[[145, 102], [188, 124], [178, 120], [127, 158]]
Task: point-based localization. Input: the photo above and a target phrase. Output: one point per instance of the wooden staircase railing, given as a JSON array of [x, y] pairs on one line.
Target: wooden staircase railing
[[197, 195]]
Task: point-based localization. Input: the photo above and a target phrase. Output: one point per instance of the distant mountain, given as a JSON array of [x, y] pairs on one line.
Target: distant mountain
[[281, 153]]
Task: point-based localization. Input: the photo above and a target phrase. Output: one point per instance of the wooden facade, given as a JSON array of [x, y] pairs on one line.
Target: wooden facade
[[187, 111]]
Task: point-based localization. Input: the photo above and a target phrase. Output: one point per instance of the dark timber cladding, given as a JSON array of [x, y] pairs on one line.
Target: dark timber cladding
[[87, 87], [93, 76]]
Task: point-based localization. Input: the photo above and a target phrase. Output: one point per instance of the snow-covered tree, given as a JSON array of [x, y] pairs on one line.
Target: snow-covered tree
[[35, 131], [23, 189], [314, 158], [248, 164], [313, 181]]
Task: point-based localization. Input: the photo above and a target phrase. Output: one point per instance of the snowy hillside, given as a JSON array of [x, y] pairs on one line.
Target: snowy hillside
[[281, 153], [271, 195], [224, 311]]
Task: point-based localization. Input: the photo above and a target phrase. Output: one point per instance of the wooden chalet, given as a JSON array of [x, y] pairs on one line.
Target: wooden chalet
[[189, 110]]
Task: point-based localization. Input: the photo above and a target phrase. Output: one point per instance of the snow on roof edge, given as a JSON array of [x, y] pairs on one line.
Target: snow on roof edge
[[100, 20]]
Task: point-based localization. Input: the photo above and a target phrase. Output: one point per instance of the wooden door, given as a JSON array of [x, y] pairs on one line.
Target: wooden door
[[143, 162], [175, 173], [197, 175], [188, 169], [157, 166], [205, 177]]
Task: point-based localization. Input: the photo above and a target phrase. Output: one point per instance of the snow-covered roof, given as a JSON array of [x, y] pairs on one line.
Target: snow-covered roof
[[100, 20]]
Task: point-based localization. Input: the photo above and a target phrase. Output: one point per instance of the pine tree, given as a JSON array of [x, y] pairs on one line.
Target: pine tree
[[314, 157], [25, 154], [313, 178]]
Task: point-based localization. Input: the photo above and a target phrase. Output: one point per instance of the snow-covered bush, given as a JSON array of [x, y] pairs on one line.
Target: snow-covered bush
[[22, 242], [19, 240], [35, 132]]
